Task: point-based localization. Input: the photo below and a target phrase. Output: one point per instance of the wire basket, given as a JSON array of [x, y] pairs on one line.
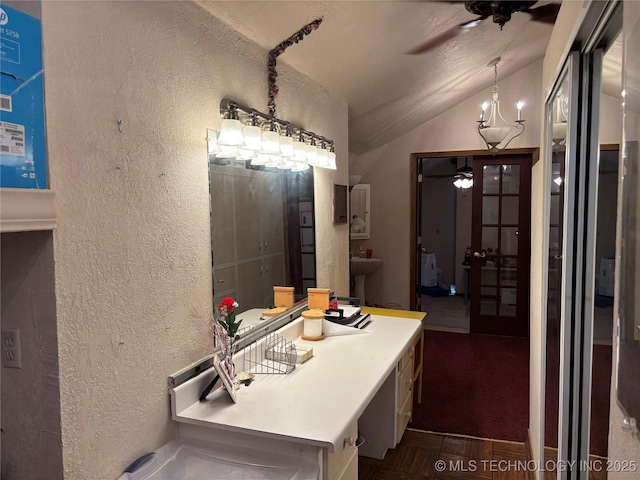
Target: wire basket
[[274, 355]]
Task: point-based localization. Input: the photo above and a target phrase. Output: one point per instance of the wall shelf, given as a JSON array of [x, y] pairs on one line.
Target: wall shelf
[[24, 210]]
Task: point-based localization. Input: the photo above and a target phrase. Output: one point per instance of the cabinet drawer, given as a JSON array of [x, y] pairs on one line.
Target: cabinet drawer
[[404, 384], [403, 415], [406, 359], [349, 470], [334, 461]]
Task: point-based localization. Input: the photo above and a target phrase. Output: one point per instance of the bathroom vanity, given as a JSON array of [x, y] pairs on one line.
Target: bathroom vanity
[[353, 383]]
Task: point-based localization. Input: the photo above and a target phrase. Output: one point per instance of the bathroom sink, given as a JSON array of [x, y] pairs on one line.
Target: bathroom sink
[[360, 268], [364, 266]]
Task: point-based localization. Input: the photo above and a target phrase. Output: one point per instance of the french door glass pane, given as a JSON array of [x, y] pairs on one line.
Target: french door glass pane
[[489, 277], [490, 210], [508, 276], [488, 301], [510, 178], [507, 310], [491, 179], [509, 241], [489, 237], [510, 210]]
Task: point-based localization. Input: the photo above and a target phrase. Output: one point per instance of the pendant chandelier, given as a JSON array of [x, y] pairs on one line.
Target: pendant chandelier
[[496, 132], [560, 116]]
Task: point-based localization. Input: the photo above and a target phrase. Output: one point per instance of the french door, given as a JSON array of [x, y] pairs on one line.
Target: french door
[[500, 245]]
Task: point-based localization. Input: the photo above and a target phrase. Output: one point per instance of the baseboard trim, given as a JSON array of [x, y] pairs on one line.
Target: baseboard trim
[[462, 435]]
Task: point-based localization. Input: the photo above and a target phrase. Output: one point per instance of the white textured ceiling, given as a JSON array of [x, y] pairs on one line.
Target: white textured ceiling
[[358, 53]]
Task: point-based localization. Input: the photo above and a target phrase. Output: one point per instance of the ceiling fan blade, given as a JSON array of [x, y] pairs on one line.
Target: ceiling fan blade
[[440, 175], [445, 36], [544, 13]]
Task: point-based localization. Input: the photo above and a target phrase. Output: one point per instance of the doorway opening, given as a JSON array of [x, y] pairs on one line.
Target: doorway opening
[[470, 247], [478, 378]]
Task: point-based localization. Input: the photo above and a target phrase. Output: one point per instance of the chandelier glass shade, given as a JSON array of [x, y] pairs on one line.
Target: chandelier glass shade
[[264, 140], [560, 116], [496, 132]]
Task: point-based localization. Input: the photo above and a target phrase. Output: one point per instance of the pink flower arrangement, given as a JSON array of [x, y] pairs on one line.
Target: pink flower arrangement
[[225, 329]]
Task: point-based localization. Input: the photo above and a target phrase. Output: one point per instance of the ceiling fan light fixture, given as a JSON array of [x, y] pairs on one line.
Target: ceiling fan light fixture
[[463, 183], [464, 176]]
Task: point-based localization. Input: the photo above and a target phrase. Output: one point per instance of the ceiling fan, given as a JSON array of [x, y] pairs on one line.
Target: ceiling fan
[[463, 176], [499, 10]]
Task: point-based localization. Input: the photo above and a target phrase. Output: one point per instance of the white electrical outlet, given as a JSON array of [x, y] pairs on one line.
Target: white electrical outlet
[[11, 353]]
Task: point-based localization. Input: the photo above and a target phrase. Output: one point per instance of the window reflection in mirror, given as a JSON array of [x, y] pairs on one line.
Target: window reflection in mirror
[[359, 225], [262, 235]]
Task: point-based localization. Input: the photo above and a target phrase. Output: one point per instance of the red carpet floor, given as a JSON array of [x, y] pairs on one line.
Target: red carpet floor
[[479, 385]]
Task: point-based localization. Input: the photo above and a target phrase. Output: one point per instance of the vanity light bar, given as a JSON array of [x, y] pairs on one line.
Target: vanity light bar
[[248, 134]]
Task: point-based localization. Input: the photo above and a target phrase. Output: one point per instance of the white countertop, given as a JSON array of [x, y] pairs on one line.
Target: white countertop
[[251, 318], [318, 401]]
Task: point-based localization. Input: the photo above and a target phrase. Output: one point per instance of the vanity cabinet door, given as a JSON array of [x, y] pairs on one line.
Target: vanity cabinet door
[[250, 283], [248, 197], [271, 215], [402, 418], [224, 283], [337, 464], [223, 233], [405, 383], [404, 392], [273, 275], [349, 470]]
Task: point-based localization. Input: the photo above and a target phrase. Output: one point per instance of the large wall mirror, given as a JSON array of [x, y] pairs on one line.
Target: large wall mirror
[[558, 118], [628, 379], [359, 225], [262, 234]]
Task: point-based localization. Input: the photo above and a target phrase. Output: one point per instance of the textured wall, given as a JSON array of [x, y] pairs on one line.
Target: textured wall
[[31, 446], [133, 277], [387, 169]]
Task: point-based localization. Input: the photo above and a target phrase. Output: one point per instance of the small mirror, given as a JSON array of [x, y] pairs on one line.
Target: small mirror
[[359, 223]]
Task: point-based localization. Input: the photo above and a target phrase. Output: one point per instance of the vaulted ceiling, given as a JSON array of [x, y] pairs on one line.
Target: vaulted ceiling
[[359, 53]]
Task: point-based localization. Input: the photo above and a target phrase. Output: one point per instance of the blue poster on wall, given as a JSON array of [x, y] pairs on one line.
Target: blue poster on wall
[[22, 129]]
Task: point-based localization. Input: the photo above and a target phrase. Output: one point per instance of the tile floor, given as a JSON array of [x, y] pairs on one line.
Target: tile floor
[[418, 457], [450, 313]]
